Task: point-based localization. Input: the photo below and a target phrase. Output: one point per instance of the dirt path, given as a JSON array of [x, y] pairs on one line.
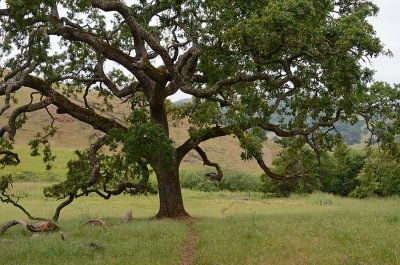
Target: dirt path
[[189, 249]]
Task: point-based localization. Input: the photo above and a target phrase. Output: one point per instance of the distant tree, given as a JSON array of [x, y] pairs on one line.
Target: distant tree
[[380, 175], [293, 160], [253, 59], [334, 172], [341, 170]]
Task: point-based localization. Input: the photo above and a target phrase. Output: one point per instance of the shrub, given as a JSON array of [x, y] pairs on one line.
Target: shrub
[[196, 180], [239, 181], [334, 172], [380, 176], [232, 181], [342, 170], [292, 161]]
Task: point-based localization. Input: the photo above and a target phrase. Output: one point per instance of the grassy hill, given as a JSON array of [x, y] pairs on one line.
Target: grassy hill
[[73, 135], [296, 230]]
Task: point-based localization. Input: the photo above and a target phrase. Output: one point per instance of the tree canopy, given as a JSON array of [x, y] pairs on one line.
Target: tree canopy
[[243, 62]]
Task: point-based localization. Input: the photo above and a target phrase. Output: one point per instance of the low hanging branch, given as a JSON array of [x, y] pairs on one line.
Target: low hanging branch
[[99, 181], [273, 175], [214, 176], [45, 225]]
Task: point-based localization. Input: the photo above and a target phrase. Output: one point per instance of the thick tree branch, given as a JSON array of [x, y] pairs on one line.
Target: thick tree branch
[[65, 203], [45, 226], [11, 128], [66, 106], [207, 162], [136, 28], [94, 148], [111, 53], [273, 175], [14, 81], [131, 89], [239, 78], [214, 132]]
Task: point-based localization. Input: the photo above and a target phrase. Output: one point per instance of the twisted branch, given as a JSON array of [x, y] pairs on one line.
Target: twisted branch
[[207, 162]]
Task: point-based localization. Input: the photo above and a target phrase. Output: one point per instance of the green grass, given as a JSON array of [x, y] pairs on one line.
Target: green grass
[[144, 242], [296, 230], [301, 231], [32, 168]]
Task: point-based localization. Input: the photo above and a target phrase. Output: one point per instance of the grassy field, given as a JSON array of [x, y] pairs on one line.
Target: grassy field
[[297, 230]]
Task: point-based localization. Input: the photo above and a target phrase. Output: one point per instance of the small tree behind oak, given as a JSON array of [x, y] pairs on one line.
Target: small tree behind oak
[[243, 62]]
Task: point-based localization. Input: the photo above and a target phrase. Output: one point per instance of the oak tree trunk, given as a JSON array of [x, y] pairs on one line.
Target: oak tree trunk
[[171, 202], [169, 189]]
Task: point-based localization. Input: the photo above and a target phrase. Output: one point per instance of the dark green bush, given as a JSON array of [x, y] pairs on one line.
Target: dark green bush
[[334, 172], [341, 170], [291, 162], [232, 181], [380, 175], [239, 181], [196, 180]]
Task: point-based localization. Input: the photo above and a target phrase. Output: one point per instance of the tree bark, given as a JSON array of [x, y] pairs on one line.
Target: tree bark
[[171, 202], [169, 189]]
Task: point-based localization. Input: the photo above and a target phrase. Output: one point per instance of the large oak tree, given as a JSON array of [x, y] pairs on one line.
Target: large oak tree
[[290, 67]]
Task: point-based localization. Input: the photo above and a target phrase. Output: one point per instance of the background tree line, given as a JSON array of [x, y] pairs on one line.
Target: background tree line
[[343, 171]]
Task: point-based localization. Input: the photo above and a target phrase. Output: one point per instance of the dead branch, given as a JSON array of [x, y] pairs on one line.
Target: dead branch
[[36, 228], [127, 218], [95, 222], [6, 198], [7, 226]]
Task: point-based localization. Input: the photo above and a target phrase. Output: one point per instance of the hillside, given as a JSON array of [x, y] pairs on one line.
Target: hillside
[[73, 135]]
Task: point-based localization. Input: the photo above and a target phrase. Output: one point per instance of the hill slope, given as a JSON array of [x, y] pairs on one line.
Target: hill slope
[[73, 135]]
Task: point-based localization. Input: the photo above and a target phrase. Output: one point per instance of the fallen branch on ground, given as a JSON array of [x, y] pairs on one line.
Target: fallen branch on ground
[[36, 228], [95, 222]]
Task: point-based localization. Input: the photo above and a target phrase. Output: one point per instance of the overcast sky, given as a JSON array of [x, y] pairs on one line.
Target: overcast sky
[[387, 26]]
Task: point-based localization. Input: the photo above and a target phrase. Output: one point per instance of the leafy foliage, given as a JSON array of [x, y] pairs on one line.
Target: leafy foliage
[[118, 169], [341, 175], [42, 140], [335, 172], [144, 139], [293, 68], [232, 181], [294, 160], [5, 183], [380, 176]]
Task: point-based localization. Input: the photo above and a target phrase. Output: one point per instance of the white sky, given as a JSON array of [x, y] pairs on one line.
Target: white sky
[[387, 26]]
